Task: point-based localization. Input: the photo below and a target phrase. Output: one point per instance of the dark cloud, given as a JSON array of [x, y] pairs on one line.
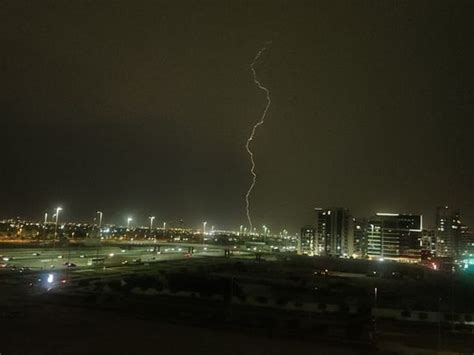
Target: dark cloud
[[144, 107]]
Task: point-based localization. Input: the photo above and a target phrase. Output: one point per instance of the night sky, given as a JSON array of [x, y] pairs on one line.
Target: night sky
[[143, 108]]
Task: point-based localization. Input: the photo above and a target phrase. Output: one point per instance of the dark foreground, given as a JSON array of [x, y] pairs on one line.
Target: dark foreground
[[213, 306], [60, 330]]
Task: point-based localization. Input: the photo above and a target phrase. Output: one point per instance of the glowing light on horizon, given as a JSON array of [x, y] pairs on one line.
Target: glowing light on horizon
[[254, 129]]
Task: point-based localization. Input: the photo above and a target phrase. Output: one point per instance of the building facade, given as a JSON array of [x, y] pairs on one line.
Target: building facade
[[307, 241], [466, 241], [335, 235], [448, 232], [360, 237], [394, 236], [428, 243]]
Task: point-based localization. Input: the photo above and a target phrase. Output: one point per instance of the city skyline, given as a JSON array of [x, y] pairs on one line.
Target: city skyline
[[143, 220], [335, 232]]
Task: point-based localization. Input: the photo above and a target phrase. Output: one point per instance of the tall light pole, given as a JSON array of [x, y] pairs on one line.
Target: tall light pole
[[265, 231], [240, 230], [100, 221], [44, 225], [164, 226], [100, 218], [56, 225], [129, 219], [151, 223], [204, 227], [375, 311]]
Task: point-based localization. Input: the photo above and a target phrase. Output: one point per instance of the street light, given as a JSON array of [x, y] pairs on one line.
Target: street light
[[151, 222], [204, 227], [58, 209], [129, 219], [240, 230], [100, 221], [46, 218], [375, 311], [265, 231], [164, 226], [100, 218]]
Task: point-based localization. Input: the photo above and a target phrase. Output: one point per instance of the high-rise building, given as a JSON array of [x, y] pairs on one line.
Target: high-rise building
[[448, 232], [335, 235], [466, 241], [394, 235], [428, 243], [307, 241], [360, 237]]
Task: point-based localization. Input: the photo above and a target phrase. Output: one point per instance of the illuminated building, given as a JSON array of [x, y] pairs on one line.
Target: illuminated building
[[335, 235], [307, 241], [360, 237], [448, 230], [394, 235], [466, 241], [428, 242]]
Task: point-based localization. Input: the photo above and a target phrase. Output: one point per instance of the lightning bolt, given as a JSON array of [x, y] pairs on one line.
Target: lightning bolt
[[254, 129]]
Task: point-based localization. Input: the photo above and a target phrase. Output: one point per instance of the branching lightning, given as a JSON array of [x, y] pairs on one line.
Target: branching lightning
[[254, 129]]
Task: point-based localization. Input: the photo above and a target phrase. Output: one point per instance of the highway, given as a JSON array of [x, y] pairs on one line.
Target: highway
[[81, 257]]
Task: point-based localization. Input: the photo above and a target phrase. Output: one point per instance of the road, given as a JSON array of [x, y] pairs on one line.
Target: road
[[49, 258]]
